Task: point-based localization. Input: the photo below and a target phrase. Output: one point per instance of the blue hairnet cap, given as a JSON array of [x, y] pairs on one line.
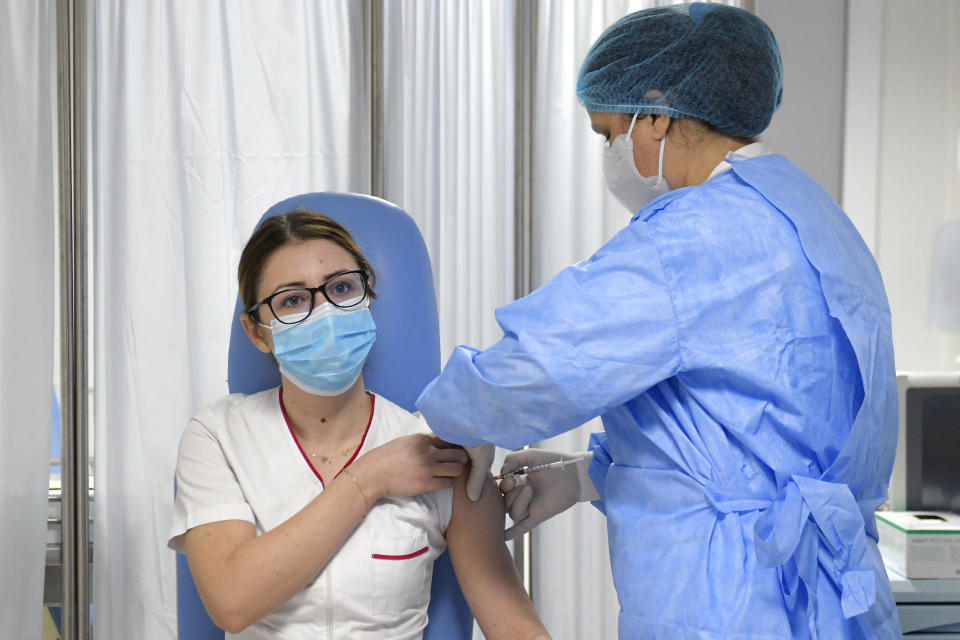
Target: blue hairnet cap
[[717, 63]]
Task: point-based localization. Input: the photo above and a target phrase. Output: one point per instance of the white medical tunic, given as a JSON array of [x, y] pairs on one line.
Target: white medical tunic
[[239, 460]]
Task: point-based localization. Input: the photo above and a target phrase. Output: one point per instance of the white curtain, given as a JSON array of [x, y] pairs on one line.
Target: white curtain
[[205, 114], [449, 148], [27, 289], [573, 215]]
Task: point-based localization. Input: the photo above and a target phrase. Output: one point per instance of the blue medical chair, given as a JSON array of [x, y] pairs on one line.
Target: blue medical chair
[[404, 358]]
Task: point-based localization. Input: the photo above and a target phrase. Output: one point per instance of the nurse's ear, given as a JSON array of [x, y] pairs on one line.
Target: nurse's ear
[[255, 332], [659, 124]]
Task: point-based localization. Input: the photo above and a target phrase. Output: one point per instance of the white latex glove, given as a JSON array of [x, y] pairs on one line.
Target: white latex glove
[[535, 497], [481, 457]]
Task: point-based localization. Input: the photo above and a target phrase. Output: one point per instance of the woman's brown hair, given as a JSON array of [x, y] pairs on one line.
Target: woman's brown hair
[[278, 231]]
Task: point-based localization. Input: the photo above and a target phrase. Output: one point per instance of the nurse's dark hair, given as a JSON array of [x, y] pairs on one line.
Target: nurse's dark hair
[[693, 131], [292, 227]]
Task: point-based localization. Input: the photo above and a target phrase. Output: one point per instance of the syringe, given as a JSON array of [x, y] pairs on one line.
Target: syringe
[[559, 464]]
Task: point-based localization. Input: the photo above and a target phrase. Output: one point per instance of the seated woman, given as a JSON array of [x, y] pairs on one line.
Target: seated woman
[[316, 509]]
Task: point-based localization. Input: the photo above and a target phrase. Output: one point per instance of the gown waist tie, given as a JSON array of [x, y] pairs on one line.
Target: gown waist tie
[[789, 532]]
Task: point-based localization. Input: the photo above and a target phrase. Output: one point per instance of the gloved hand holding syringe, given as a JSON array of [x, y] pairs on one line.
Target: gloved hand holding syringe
[[538, 484]]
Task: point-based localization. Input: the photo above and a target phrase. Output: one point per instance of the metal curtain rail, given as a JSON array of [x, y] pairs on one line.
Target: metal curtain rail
[[374, 49], [525, 50], [71, 142]]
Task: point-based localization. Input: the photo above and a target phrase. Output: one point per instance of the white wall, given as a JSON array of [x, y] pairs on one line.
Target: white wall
[[903, 178], [871, 110], [808, 127]]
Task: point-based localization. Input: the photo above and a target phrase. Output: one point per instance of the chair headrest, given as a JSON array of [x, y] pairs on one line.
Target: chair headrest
[[406, 354]]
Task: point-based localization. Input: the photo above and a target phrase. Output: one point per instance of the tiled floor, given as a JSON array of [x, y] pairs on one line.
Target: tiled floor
[[49, 631]]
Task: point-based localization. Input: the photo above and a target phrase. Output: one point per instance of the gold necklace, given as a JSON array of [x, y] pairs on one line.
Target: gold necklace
[[326, 459]]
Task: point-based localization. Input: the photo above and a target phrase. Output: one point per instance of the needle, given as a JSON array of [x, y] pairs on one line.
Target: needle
[[559, 464]]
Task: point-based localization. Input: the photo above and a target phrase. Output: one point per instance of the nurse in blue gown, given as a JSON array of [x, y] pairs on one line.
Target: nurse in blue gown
[[734, 338]]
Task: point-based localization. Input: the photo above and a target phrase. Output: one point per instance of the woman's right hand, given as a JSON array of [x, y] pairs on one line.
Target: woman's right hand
[[408, 466]]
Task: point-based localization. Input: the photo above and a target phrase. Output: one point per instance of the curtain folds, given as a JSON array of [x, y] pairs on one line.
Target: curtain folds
[[449, 147], [449, 151], [205, 114], [28, 291]]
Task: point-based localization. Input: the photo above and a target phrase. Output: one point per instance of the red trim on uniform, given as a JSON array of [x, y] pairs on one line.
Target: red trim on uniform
[[296, 441], [384, 556], [306, 456]]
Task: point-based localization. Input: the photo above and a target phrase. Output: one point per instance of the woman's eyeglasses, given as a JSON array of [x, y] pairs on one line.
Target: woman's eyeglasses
[[292, 306]]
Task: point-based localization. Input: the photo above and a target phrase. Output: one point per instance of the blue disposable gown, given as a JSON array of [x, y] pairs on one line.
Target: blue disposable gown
[[735, 338]]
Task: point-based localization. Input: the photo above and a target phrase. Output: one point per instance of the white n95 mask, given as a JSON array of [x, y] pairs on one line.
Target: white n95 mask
[[626, 184]]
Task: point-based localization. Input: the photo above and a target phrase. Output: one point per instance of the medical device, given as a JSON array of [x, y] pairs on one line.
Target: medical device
[[925, 473], [520, 473]]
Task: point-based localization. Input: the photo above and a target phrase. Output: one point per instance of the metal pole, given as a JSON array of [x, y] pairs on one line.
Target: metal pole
[[525, 45], [375, 67], [71, 113], [525, 35]]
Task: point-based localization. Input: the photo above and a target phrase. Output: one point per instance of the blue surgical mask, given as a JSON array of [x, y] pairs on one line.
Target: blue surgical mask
[[324, 354], [633, 190]]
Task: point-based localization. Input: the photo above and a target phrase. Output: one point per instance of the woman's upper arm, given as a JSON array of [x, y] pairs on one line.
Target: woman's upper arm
[[484, 567], [478, 525]]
